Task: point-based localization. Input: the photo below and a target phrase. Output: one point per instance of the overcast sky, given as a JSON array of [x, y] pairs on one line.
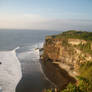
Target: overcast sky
[[46, 14]]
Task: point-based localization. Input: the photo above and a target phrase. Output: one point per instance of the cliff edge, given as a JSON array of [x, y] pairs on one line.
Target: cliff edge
[[68, 51]]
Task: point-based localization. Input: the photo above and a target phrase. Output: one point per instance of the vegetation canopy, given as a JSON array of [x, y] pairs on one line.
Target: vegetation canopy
[[75, 34]]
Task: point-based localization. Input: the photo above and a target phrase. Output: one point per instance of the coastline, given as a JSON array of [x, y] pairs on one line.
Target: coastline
[[42, 70], [57, 75], [10, 67]]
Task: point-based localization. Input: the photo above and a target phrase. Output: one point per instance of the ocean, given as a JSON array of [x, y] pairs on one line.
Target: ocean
[[33, 79]]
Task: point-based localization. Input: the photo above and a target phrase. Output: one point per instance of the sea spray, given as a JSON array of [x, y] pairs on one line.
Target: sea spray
[[34, 52], [31, 51], [33, 75], [10, 71]]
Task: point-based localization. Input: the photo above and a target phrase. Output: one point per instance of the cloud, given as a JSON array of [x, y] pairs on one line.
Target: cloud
[[35, 21]]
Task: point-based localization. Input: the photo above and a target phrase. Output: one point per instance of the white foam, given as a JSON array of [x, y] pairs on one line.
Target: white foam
[[10, 71], [16, 49], [38, 45], [32, 52]]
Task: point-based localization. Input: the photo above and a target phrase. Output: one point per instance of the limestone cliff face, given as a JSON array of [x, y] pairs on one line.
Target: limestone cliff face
[[70, 51], [63, 54]]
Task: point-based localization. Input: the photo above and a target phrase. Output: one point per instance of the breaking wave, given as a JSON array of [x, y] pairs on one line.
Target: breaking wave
[[10, 71], [30, 52], [11, 66]]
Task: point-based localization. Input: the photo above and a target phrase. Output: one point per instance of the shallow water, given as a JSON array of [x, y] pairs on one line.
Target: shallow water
[[33, 79]]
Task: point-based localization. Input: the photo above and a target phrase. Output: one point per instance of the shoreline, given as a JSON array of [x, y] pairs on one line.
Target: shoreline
[[10, 67], [42, 70], [56, 74]]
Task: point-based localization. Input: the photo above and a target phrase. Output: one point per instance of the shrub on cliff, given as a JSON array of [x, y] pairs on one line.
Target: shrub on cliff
[[86, 70], [84, 81], [48, 90], [71, 88], [86, 48], [82, 86]]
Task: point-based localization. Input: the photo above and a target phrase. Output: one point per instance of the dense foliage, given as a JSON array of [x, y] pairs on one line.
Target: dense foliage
[[75, 34], [86, 70]]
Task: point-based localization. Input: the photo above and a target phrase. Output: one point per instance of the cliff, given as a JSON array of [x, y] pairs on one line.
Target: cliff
[[69, 50]]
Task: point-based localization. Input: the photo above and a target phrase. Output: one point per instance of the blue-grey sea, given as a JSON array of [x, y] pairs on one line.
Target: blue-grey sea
[[33, 79]]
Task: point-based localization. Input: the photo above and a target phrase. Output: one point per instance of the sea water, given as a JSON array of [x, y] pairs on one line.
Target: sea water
[[20, 69]]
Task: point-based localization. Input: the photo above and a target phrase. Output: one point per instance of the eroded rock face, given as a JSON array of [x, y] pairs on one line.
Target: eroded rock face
[[59, 76], [76, 41], [10, 71], [66, 51]]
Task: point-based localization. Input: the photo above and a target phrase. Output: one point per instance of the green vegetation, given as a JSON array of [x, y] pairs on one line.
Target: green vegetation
[[83, 86], [75, 34], [86, 70], [84, 81], [65, 42], [83, 35], [86, 48], [48, 90]]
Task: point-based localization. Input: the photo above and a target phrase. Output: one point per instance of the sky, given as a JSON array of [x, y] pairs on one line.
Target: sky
[[46, 14]]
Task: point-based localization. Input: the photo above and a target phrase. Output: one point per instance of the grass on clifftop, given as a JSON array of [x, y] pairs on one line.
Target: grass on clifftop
[[75, 34]]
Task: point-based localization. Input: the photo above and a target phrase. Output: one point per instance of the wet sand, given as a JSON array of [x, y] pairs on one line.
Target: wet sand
[[33, 79], [59, 76]]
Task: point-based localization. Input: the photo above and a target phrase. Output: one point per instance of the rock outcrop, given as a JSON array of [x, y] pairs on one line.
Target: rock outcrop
[[68, 50]]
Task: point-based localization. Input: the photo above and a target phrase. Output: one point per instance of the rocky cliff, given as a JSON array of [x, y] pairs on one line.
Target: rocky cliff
[[69, 50]]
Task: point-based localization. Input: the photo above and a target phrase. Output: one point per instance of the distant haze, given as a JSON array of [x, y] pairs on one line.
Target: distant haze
[[46, 14]]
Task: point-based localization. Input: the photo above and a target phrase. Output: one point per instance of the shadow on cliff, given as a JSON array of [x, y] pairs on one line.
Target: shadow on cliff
[[59, 76]]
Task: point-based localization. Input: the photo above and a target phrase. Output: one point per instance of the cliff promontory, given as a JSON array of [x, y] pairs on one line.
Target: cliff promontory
[[68, 51]]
